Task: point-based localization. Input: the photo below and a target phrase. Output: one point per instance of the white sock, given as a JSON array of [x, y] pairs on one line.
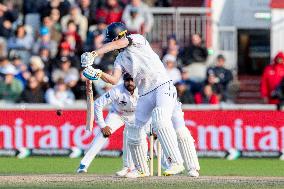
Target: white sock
[[98, 143]]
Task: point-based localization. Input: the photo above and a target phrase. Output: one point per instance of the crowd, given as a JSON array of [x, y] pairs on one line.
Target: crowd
[[41, 43]]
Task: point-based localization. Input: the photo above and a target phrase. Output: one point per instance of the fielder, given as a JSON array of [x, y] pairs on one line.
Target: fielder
[[123, 98], [157, 94]]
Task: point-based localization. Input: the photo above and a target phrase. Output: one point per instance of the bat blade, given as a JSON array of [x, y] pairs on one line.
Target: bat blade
[[90, 106]]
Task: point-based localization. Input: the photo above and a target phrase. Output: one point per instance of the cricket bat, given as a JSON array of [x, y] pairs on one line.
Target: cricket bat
[[90, 106]]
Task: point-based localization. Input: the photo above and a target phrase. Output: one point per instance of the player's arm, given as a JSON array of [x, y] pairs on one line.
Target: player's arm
[[114, 45], [113, 78], [88, 58], [94, 74], [99, 105]]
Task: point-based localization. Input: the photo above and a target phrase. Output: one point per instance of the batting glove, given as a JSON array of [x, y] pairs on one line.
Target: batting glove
[[87, 59], [92, 73]]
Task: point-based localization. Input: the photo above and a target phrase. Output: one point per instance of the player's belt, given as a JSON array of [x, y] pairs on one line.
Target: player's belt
[[156, 88]]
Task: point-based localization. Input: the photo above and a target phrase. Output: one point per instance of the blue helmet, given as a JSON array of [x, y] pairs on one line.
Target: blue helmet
[[115, 30]]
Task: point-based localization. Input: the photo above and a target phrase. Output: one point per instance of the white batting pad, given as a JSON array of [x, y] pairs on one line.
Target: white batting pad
[[187, 149], [162, 125], [136, 139], [126, 156]]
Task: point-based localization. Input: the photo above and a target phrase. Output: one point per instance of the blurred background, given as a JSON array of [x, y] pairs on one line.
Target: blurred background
[[224, 56]]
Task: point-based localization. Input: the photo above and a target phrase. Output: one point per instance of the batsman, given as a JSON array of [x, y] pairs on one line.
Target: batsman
[[157, 94]]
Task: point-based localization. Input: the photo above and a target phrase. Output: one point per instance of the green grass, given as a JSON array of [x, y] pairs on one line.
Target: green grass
[[209, 167], [108, 166]]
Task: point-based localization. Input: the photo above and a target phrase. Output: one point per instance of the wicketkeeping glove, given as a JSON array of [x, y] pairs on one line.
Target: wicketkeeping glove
[[87, 59], [92, 73]]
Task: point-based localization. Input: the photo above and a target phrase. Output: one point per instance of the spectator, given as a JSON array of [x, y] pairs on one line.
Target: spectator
[[66, 51], [88, 9], [33, 92], [80, 20], [44, 41], [21, 43], [22, 70], [217, 87], [278, 94], [110, 11], [10, 87], [136, 22], [73, 38], [143, 10], [55, 18], [69, 74], [193, 86], [42, 79], [36, 64], [55, 34], [44, 55], [60, 95], [196, 52], [170, 65], [207, 96], [184, 94], [172, 46], [222, 75], [8, 15], [4, 62], [271, 78], [62, 5]]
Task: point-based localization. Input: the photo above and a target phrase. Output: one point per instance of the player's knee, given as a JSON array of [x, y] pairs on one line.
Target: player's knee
[[184, 133], [135, 135], [161, 118]]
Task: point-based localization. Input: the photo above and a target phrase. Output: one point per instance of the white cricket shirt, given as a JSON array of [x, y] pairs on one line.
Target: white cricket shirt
[[143, 64], [123, 103]]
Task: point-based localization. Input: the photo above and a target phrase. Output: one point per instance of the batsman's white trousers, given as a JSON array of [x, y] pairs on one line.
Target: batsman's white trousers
[[162, 99]]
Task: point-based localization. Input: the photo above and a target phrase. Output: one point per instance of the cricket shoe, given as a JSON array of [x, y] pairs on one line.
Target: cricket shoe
[[123, 172], [136, 174], [174, 169], [82, 169], [193, 173]]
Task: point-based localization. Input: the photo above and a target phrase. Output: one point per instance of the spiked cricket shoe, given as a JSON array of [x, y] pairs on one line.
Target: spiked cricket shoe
[[82, 169], [174, 169], [123, 171]]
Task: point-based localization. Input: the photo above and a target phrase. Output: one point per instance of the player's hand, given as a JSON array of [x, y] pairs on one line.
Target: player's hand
[[87, 59], [92, 73], [106, 131]]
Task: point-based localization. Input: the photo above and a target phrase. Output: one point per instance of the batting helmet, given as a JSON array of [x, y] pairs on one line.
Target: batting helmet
[[115, 30]]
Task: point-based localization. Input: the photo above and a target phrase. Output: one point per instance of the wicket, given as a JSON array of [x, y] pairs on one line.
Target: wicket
[[158, 154]]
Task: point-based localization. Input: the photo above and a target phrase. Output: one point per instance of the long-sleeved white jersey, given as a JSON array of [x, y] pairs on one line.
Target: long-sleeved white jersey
[[143, 64], [122, 103]]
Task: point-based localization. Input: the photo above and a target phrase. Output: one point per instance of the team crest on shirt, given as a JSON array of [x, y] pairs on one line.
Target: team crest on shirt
[[122, 102], [107, 95]]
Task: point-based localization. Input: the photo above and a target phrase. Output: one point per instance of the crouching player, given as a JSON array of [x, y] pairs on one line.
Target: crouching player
[[123, 98]]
